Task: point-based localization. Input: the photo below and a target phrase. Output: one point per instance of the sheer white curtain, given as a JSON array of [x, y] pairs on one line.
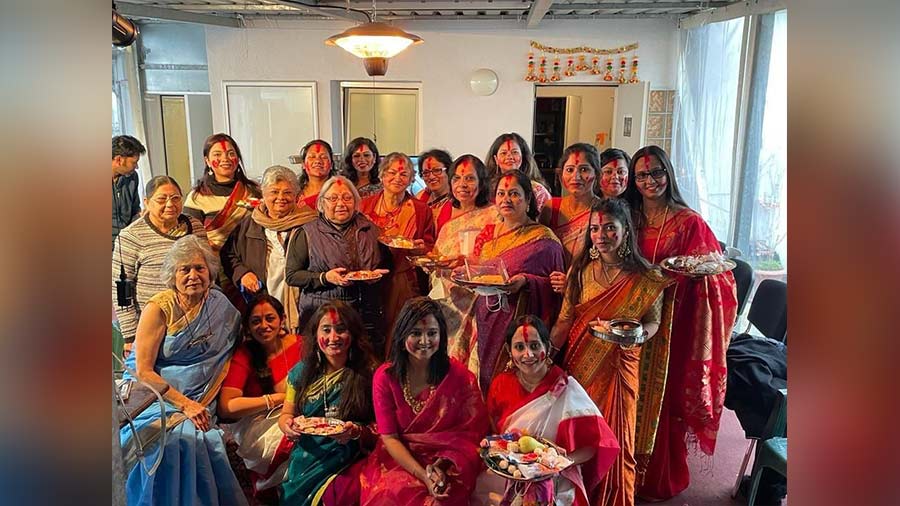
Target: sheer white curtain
[[703, 144]]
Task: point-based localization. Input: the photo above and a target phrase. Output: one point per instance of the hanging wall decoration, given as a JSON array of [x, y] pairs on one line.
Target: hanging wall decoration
[[572, 68]]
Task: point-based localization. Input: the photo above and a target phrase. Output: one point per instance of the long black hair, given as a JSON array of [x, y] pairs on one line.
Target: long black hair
[[356, 398], [414, 311], [304, 176], [633, 262], [529, 165], [483, 197], [257, 352], [202, 185], [350, 170], [633, 195]]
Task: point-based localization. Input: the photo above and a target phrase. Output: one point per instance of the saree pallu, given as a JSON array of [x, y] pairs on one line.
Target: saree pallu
[[412, 220], [321, 467], [704, 314], [450, 425], [560, 410], [449, 244], [611, 373], [229, 212], [571, 233], [192, 359]]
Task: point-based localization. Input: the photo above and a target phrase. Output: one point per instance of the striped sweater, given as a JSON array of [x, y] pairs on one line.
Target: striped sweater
[[143, 249]]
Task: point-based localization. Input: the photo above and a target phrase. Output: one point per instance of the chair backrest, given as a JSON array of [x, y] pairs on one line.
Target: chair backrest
[[768, 311], [743, 276], [777, 424]]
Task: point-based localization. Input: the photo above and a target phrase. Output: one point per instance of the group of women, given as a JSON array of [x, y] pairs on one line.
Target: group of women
[[292, 330]]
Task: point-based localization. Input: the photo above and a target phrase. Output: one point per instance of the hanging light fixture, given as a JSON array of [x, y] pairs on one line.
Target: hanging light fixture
[[374, 42]]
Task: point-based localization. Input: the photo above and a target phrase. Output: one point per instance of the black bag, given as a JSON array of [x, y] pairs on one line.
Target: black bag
[[134, 397]]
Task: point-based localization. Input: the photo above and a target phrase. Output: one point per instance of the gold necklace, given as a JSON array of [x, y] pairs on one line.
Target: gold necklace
[[605, 271], [414, 403], [527, 385]]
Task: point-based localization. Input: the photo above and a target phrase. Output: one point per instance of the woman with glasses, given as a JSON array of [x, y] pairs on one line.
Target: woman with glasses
[[224, 195], [398, 214], [141, 247], [360, 161], [322, 254], [317, 166], [613, 172], [704, 314], [253, 258], [433, 167], [510, 153], [568, 216]]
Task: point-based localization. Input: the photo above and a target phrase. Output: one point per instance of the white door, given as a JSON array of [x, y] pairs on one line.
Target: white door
[[630, 116], [573, 119]]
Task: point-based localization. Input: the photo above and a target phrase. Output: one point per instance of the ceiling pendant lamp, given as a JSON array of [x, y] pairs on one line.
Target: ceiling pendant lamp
[[374, 42]]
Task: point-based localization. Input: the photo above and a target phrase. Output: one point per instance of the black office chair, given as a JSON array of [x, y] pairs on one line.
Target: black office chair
[[768, 311], [743, 276]]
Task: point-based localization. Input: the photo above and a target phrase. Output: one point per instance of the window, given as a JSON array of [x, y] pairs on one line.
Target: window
[[270, 121], [389, 114]]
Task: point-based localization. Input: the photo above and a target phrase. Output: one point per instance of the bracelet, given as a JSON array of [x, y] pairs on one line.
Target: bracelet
[[322, 278], [268, 401]]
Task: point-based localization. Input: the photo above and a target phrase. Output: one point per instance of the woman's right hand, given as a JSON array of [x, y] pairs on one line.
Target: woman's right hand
[[558, 281], [603, 325], [286, 424], [197, 414], [437, 482], [336, 276], [250, 282]]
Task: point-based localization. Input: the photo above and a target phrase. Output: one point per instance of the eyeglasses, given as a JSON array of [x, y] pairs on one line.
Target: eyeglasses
[[656, 174], [345, 198], [163, 200], [437, 171]]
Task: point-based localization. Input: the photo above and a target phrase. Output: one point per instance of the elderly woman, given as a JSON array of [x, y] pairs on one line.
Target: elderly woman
[[254, 256], [705, 310], [397, 213], [222, 197], [539, 398], [254, 386], [360, 159], [325, 251], [429, 414], [141, 247], [613, 172], [433, 166], [611, 279], [318, 160], [334, 380], [530, 252], [184, 338], [510, 153]]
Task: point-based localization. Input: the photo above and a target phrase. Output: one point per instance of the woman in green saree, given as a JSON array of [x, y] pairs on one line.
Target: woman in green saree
[[334, 379]]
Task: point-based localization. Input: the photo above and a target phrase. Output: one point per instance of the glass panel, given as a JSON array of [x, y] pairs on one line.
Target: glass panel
[[174, 120], [270, 123], [703, 145], [393, 113]]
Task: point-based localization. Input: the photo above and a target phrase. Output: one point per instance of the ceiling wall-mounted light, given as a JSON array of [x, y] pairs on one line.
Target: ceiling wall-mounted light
[[374, 42]]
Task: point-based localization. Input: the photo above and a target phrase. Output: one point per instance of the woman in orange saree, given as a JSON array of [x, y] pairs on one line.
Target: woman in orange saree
[[704, 315], [397, 213], [610, 279]]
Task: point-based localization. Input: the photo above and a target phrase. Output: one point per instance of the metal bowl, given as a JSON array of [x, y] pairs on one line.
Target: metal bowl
[[622, 331]]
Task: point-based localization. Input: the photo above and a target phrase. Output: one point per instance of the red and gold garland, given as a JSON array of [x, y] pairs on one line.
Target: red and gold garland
[[572, 69]]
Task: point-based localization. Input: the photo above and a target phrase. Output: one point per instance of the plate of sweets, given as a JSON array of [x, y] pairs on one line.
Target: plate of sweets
[[520, 457], [622, 331], [432, 261], [362, 275], [397, 242], [318, 426], [709, 264]]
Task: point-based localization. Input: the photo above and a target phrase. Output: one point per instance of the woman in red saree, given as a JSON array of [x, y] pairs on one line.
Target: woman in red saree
[[434, 168], [530, 252], [613, 173], [430, 416], [224, 195], [568, 216], [704, 315], [539, 398], [397, 213], [610, 279], [318, 167]]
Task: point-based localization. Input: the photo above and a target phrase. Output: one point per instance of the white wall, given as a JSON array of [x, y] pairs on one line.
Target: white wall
[[454, 118]]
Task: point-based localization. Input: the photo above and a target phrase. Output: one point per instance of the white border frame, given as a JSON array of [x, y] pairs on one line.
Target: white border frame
[[262, 84], [396, 85]]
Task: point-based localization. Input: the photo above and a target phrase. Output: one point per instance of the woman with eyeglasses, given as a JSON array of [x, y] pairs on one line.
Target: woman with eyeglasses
[[317, 166], [141, 247], [704, 315], [360, 162], [613, 172], [433, 166], [568, 216], [224, 195], [510, 153], [322, 254], [253, 257], [398, 214]]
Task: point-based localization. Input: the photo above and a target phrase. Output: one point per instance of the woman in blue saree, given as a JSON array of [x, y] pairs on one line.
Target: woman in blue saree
[[333, 380], [182, 343]]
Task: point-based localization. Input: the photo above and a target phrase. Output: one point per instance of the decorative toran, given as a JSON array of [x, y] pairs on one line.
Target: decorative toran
[[572, 69]]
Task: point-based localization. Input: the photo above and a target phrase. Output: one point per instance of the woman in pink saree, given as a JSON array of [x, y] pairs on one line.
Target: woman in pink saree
[[430, 417]]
